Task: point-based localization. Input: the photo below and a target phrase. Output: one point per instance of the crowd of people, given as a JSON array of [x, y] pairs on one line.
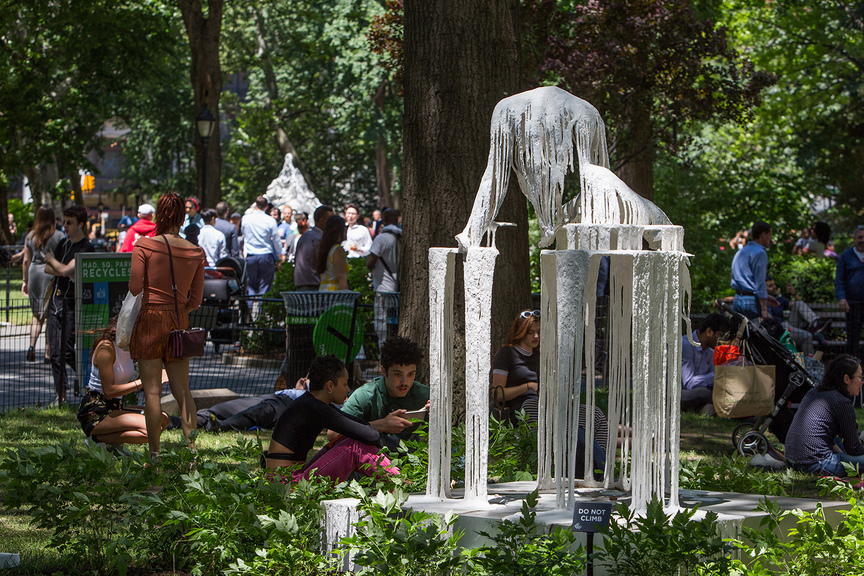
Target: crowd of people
[[814, 241]]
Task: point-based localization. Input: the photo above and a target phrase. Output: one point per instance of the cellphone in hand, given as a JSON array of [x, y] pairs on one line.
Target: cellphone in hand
[[415, 414]]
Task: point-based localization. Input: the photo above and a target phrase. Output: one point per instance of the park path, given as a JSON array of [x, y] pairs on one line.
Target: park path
[[25, 383]]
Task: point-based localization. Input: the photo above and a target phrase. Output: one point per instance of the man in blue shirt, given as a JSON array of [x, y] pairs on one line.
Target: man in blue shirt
[[697, 365], [849, 286], [263, 248], [749, 268]]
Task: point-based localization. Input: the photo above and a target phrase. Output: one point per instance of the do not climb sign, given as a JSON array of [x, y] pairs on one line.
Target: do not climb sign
[[591, 517]]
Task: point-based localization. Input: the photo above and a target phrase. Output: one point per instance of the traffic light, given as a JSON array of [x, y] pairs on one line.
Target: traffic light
[[88, 184]]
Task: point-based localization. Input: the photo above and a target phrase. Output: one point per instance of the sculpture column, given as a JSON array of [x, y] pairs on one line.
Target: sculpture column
[[442, 266], [479, 271]]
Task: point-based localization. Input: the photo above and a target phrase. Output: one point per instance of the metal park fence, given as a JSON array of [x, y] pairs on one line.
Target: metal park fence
[[253, 344]]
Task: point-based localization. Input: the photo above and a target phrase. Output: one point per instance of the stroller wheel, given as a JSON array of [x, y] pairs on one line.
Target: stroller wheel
[[752, 443], [740, 430]]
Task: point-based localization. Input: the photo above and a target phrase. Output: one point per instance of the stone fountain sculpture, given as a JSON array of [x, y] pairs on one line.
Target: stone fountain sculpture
[[290, 188], [541, 136]]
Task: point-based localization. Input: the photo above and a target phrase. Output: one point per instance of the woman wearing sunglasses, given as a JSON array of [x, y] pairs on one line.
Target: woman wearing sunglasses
[[516, 370], [516, 367]]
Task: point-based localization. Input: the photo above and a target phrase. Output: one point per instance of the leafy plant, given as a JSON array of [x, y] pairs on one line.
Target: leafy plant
[[235, 518], [512, 449], [655, 543], [412, 459], [732, 475], [812, 547], [526, 548], [390, 541], [812, 277], [80, 497]]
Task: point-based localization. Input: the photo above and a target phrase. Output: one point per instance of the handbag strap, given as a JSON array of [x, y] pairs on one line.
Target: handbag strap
[[173, 283]]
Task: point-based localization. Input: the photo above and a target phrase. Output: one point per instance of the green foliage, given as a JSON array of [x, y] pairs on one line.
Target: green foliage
[[23, 214], [732, 475], [813, 278], [69, 68], [812, 547], [720, 184], [412, 459], [512, 449], [657, 544], [815, 47], [390, 541], [525, 548], [104, 515], [312, 84], [82, 498]]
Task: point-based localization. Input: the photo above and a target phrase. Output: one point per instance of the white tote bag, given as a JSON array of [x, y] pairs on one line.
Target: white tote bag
[[126, 319]]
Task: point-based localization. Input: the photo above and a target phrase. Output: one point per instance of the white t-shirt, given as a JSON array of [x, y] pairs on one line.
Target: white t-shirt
[[359, 236]]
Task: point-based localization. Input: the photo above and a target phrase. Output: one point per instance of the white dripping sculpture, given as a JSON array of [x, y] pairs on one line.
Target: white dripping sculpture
[[533, 134]]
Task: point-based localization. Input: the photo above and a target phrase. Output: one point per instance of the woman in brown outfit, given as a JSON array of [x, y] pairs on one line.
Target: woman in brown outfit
[[151, 273]]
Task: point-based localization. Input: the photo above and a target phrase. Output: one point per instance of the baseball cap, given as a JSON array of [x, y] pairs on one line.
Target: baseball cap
[[146, 209], [236, 215]]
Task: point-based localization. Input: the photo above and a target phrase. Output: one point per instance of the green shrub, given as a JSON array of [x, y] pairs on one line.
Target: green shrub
[[233, 518], [812, 547], [525, 548], [512, 449], [106, 513], [658, 544], [733, 475], [80, 497], [390, 541], [812, 277]]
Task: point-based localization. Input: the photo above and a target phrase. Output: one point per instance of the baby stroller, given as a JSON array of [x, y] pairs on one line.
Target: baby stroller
[[792, 382], [222, 284]]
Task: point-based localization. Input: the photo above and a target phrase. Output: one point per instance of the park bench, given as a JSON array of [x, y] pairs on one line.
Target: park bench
[[831, 311]]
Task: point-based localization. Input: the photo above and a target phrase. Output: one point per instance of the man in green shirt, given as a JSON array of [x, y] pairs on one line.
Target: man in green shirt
[[386, 401]]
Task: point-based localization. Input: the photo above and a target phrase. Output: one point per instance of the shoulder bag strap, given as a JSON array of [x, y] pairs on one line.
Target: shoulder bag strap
[[173, 283]]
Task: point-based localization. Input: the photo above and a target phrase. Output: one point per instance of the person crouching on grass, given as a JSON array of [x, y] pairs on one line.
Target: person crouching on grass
[[301, 423], [112, 370]]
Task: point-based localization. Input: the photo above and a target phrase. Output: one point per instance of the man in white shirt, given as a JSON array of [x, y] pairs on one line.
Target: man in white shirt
[[359, 240], [211, 240], [262, 246]]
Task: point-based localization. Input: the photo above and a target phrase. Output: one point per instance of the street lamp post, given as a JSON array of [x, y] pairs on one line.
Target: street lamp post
[[204, 122]]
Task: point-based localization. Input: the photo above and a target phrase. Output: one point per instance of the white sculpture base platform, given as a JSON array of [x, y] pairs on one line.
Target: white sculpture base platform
[[505, 503]]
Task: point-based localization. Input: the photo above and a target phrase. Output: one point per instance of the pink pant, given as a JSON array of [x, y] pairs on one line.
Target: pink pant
[[344, 458]]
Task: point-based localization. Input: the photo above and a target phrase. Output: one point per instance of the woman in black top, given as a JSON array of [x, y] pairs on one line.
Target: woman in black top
[[516, 371], [824, 434], [516, 367], [301, 423]]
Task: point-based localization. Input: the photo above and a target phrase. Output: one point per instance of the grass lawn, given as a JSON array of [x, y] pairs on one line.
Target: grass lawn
[[17, 299], [704, 439]]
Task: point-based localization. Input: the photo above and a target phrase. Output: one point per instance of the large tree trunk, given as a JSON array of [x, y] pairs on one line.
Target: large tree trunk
[[461, 58], [206, 75], [637, 155]]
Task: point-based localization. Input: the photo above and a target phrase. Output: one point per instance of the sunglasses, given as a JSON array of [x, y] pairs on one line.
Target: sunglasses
[[529, 314]]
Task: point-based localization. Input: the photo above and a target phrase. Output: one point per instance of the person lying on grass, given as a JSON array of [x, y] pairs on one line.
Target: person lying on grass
[[301, 423], [824, 434]]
